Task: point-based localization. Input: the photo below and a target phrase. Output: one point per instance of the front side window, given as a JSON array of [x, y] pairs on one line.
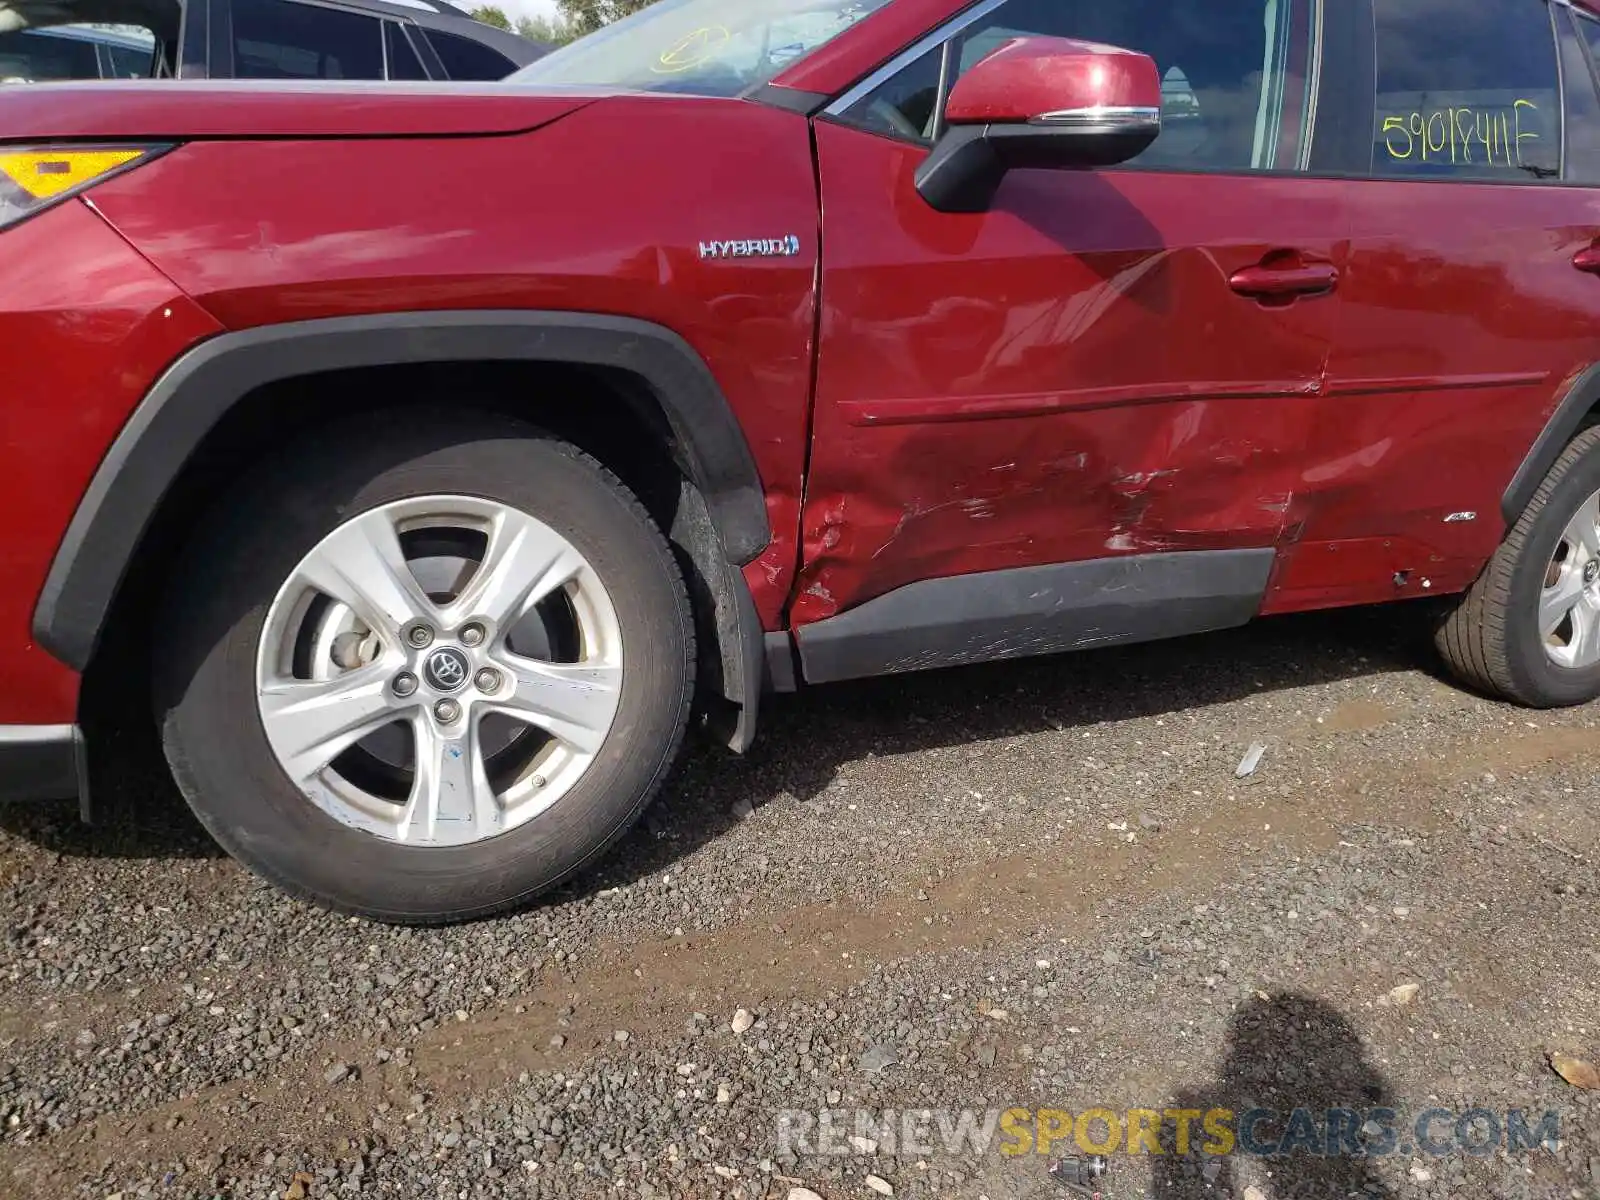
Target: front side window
[[281, 39], [1235, 74], [702, 47], [1466, 91]]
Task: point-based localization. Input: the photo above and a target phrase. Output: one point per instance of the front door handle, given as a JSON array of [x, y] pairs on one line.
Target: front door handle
[[1283, 280], [1588, 260]]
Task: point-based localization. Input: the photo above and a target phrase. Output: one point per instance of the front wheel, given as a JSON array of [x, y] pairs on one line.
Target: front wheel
[[1529, 629], [428, 679]]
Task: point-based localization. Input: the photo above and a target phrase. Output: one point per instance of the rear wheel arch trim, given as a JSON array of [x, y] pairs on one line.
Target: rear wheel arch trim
[[1567, 421], [198, 390]]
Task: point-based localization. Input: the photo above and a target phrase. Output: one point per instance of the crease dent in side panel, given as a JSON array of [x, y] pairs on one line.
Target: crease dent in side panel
[[1080, 486]]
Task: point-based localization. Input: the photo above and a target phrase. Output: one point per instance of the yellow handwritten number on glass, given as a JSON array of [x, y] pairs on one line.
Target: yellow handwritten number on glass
[[692, 50], [1450, 133]]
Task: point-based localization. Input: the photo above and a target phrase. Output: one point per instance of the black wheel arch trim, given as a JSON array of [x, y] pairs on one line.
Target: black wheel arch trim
[[1568, 420], [197, 390]]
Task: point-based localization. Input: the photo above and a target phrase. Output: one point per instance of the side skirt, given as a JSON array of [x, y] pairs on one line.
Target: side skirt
[[1031, 611]]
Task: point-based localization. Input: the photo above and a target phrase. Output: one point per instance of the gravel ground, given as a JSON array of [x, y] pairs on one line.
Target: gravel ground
[[1035, 885]]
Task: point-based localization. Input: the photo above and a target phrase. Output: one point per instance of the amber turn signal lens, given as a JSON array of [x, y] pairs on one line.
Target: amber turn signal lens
[[32, 177]]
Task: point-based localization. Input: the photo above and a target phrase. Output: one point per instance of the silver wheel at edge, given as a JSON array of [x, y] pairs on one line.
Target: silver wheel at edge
[[439, 670], [1569, 605]]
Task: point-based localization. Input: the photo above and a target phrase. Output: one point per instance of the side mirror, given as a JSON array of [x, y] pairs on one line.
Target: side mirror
[[1040, 102]]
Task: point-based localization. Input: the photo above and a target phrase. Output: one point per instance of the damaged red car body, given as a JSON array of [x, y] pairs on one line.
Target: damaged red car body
[[925, 333]]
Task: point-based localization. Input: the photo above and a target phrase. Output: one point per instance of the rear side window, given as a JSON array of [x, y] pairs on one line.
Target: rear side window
[[1583, 105], [33, 57], [279, 39], [464, 58], [1591, 33], [1466, 90]]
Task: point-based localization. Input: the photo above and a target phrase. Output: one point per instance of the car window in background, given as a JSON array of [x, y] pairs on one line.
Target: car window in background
[[1235, 74], [403, 60], [128, 62], [1480, 103], [699, 47], [281, 39], [464, 58], [29, 56]]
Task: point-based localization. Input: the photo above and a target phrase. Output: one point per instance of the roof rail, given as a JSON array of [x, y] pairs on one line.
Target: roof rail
[[443, 7]]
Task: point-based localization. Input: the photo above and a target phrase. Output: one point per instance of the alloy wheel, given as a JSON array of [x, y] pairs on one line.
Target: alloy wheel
[[1569, 606], [439, 670]]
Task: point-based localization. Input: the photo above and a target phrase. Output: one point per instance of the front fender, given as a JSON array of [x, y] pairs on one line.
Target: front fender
[[200, 388]]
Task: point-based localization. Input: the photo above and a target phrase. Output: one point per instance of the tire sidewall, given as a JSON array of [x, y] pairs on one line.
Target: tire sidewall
[[1531, 667], [206, 674]]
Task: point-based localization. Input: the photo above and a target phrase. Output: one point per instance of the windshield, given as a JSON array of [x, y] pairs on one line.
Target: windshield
[[704, 47]]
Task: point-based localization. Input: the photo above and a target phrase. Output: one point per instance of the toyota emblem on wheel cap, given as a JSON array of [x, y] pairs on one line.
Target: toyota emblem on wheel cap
[[447, 669]]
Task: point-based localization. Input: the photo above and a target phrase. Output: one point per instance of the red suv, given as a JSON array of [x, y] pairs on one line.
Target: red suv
[[447, 449]]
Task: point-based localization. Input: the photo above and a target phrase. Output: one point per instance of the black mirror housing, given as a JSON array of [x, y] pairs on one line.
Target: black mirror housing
[[967, 165]]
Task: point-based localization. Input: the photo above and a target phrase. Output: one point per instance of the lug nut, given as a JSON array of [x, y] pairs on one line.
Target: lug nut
[[488, 680], [447, 711], [405, 684], [472, 635], [419, 636]]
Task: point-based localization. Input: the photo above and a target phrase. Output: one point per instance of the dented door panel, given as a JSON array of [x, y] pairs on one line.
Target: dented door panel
[[1066, 377], [1464, 325]]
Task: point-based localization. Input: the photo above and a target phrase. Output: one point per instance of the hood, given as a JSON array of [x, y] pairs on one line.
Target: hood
[[160, 110]]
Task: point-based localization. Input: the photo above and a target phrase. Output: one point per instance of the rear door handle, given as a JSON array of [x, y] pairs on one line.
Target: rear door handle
[[1284, 277], [1588, 260], [1287, 281]]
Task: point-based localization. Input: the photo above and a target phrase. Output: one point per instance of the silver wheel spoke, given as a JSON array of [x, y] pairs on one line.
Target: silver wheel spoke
[[451, 799], [361, 565], [1557, 602], [1584, 530], [574, 702], [311, 722], [525, 562], [1585, 644]]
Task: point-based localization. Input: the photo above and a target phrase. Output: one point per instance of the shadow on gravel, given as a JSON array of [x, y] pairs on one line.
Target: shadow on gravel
[[1285, 1053], [806, 738]]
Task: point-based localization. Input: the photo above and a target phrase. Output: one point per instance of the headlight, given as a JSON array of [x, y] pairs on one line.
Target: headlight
[[32, 178]]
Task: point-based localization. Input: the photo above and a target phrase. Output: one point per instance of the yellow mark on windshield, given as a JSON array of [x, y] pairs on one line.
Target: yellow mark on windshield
[[691, 51]]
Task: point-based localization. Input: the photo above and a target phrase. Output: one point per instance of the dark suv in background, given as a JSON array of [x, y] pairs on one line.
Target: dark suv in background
[[265, 39]]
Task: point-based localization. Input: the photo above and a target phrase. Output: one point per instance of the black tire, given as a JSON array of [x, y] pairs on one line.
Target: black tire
[[1490, 640], [209, 628]]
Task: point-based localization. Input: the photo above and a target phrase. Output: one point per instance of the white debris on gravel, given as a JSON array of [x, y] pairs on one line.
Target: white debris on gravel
[[1251, 761]]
